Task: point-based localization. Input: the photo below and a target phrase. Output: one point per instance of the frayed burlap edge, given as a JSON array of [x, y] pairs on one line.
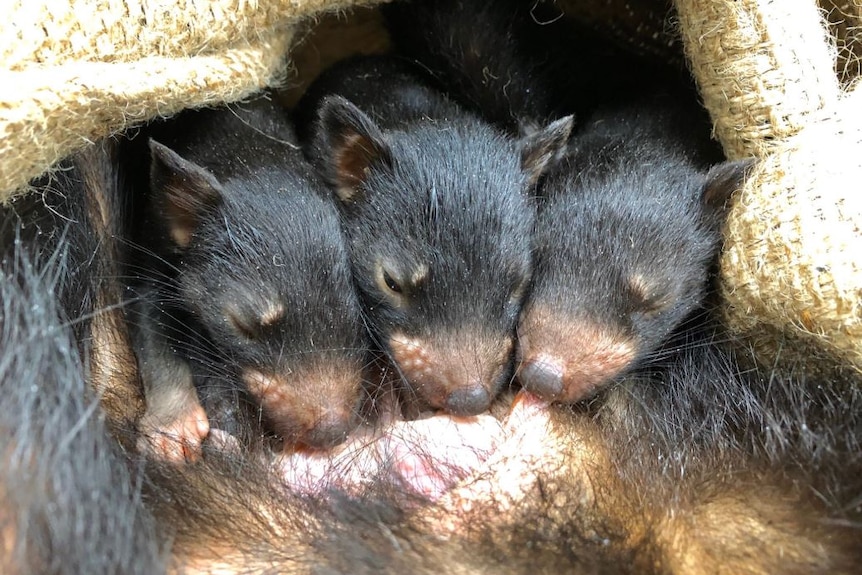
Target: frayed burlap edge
[[71, 105], [765, 69], [845, 22], [74, 75]]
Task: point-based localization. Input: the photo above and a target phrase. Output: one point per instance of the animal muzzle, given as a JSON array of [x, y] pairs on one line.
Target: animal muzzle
[[315, 408], [460, 373], [565, 360]]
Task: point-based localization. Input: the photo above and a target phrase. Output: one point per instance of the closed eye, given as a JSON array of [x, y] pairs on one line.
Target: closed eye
[[652, 306], [520, 290], [251, 321], [648, 300], [242, 326], [516, 298]]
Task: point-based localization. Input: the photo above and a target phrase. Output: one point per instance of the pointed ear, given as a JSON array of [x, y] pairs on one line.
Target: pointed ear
[[184, 190], [722, 180], [349, 142], [541, 148]]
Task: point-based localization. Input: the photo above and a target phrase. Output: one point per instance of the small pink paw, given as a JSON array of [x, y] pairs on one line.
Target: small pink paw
[[177, 439]]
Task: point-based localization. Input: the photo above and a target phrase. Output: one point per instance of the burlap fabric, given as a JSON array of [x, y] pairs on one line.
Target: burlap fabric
[[792, 263], [845, 23], [76, 70], [777, 77]]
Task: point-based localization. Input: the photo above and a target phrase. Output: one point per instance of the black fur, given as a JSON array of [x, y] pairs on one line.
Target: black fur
[[258, 279], [626, 234], [628, 220], [502, 59], [434, 202], [695, 465], [692, 464]]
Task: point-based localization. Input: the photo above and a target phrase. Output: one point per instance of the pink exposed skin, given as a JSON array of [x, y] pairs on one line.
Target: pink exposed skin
[[425, 457], [508, 476], [462, 465], [458, 374], [565, 360]]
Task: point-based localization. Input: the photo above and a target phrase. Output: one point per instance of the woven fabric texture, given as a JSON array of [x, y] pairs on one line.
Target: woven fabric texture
[[79, 70], [771, 78]]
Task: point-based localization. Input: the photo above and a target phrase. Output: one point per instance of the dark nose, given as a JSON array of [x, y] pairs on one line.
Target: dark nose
[[468, 400], [328, 432], [544, 378]]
